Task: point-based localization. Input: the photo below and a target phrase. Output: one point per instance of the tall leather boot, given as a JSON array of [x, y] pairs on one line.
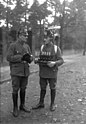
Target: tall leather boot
[[41, 102], [53, 94], [22, 102], [15, 104]]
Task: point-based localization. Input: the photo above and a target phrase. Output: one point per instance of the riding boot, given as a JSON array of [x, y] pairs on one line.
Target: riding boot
[[52, 105], [41, 102], [15, 104], [22, 102]]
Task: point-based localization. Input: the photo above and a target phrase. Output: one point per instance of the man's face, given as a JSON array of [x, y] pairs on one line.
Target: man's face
[[22, 38], [47, 40]]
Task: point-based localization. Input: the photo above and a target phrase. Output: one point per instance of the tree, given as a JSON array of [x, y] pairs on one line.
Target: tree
[[38, 13], [68, 15], [80, 7], [17, 14], [1, 11], [64, 16]]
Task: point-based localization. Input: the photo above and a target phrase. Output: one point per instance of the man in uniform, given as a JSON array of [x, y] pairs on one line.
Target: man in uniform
[[48, 72], [19, 69]]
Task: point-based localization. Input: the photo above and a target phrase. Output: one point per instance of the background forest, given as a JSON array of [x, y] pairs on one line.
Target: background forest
[[70, 16]]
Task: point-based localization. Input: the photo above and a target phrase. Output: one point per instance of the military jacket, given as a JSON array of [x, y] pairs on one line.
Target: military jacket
[[14, 56], [44, 70]]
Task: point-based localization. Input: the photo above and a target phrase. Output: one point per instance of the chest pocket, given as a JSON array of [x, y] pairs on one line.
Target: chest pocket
[[19, 49]]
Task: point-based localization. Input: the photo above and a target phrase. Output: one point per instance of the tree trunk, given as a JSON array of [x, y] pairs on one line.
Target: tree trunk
[[84, 49], [62, 26], [40, 35]]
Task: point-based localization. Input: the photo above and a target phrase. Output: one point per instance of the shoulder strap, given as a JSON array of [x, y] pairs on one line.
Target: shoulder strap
[[42, 47], [55, 48]]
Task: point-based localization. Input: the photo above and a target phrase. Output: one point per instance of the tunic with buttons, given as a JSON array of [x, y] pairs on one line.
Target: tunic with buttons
[[14, 55]]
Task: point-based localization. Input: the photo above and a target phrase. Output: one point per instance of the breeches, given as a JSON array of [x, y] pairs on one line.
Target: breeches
[[44, 82], [19, 82]]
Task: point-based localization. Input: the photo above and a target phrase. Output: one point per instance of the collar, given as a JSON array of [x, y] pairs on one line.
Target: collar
[[49, 44]]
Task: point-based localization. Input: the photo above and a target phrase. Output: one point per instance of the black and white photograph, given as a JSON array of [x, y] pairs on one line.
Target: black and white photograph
[[42, 61]]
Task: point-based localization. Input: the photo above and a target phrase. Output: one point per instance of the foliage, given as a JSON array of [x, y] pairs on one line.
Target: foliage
[[37, 14], [68, 15], [68, 42], [1, 10]]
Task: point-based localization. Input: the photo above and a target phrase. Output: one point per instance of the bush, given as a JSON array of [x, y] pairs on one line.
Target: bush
[[68, 42]]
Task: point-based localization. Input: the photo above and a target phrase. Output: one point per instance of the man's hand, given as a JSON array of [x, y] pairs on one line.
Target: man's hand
[[51, 63], [28, 58]]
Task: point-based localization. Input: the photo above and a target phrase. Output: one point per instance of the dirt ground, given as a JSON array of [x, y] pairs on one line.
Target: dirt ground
[[70, 99]]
